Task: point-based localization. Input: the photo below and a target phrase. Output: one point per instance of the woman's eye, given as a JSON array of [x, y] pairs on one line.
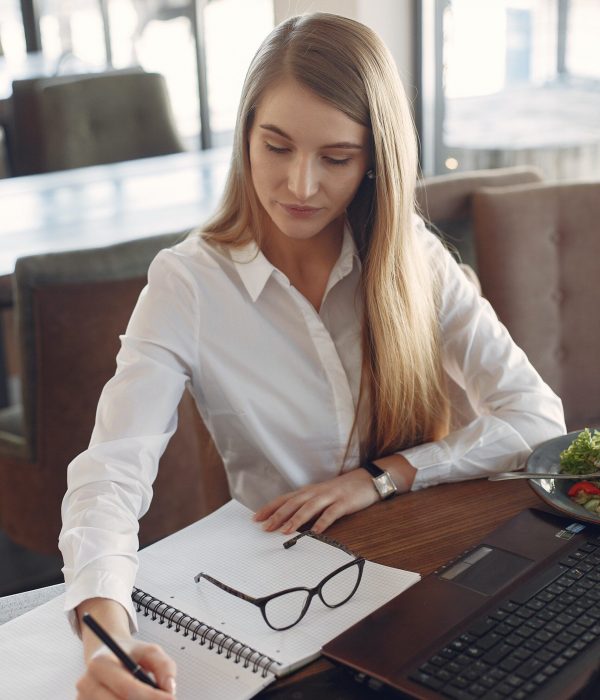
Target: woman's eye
[[337, 161], [275, 149]]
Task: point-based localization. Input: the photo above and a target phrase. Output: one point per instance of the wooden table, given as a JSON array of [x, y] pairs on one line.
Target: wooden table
[[418, 531], [105, 204]]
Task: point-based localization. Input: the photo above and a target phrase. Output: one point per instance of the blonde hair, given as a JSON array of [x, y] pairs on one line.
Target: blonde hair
[[346, 64]]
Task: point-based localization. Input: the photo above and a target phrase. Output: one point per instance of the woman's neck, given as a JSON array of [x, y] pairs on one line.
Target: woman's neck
[[307, 263]]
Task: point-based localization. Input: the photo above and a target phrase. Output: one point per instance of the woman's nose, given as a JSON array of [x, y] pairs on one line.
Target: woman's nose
[[303, 179]]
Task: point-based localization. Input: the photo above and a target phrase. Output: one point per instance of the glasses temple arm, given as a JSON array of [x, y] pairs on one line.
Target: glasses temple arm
[[323, 538], [224, 587]]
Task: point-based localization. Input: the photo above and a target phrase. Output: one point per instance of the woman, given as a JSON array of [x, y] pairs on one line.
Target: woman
[[320, 327]]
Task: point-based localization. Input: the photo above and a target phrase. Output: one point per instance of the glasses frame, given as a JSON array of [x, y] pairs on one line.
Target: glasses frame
[[261, 602]]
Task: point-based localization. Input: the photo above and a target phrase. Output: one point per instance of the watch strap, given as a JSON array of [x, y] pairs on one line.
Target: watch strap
[[372, 468]]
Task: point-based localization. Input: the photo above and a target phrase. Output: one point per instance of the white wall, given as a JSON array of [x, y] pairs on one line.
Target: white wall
[[391, 19]]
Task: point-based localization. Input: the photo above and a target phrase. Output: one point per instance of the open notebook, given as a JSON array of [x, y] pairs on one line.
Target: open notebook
[[234, 653]]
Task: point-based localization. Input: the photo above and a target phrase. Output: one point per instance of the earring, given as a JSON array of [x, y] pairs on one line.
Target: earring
[[371, 174]]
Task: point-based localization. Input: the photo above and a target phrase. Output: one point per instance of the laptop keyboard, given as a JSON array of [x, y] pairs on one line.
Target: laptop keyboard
[[516, 649]]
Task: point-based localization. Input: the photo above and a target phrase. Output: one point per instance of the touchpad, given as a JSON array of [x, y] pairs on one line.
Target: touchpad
[[486, 569]]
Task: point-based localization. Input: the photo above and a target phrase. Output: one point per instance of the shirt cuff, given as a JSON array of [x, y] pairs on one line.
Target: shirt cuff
[[433, 462], [93, 583]]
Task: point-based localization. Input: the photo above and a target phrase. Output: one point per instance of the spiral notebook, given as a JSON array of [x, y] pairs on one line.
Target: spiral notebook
[[223, 648]]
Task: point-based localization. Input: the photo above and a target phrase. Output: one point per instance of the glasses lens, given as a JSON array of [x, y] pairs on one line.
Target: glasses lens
[[341, 587], [286, 609]]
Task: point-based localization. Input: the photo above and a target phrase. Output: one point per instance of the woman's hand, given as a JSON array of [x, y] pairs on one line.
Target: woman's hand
[[107, 679], [329, 500]]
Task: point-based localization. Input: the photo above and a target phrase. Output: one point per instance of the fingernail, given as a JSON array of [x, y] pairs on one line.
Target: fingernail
[[172, 685]]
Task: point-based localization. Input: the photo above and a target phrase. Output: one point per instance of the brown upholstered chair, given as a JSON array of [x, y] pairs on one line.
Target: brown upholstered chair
[[446, 201], [72, 121], [538, 249], [71, 308]]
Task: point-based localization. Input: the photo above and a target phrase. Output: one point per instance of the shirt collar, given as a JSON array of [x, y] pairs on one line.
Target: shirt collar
[[254, 269]]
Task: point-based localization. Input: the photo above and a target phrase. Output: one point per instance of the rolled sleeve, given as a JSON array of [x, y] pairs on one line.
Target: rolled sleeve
[[514, 409], [110, 484]]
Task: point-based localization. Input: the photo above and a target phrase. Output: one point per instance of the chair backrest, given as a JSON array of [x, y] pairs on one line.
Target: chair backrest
[[538, 248], [71, 309], [445, 201], [79, 120]]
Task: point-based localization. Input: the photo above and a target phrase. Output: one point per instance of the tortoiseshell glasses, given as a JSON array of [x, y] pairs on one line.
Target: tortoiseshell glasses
[[286, 608]]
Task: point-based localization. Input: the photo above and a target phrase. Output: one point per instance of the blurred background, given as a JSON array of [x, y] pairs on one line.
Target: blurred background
[[492, 83]]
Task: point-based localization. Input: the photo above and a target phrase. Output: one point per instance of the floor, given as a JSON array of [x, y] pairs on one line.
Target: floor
[[23, 570]]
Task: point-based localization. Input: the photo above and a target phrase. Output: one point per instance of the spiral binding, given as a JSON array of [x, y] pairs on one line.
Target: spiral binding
[[233, 648]]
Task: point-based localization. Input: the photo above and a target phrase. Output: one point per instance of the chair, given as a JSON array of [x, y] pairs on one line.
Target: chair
[[445, 201], [79, 120], [71, 308], [538, 248]]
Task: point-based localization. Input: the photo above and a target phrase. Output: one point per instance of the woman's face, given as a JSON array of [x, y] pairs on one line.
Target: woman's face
[[307, 160]]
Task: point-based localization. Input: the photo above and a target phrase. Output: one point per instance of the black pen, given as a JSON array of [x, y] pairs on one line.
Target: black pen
[[126, 660]]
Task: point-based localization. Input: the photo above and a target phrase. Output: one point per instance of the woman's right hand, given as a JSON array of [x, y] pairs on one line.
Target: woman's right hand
[[105, 677]]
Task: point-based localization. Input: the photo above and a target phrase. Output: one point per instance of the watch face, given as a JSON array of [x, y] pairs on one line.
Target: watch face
[[385, 485]]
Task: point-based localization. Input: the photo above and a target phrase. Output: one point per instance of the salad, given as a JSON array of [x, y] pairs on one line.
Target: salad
[[582, 457]]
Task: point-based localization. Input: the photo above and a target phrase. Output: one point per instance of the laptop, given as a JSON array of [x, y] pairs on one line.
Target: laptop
[[517, 616]]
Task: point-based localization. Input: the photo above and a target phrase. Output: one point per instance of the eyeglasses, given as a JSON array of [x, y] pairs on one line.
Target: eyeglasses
[[286, 608]]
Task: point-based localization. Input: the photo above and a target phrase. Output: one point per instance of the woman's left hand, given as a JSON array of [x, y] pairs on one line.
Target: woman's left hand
[[329, 500]]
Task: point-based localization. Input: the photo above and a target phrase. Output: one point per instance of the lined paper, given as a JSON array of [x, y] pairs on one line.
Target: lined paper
[[230, 546], [42, 658]]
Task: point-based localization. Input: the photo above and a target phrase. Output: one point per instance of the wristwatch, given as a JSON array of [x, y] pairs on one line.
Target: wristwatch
[[382, 481]]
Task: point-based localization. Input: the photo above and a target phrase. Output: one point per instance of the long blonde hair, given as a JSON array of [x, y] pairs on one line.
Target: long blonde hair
[[346, 64]]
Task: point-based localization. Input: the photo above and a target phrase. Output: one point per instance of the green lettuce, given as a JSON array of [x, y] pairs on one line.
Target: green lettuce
[[583, 454]]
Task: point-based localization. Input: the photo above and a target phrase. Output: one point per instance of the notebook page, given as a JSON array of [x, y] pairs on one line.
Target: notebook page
[[229, 546], [42, 658], [202, 673]]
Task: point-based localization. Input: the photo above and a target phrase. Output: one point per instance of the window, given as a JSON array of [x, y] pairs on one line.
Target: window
[[520, 84], [203, 56]]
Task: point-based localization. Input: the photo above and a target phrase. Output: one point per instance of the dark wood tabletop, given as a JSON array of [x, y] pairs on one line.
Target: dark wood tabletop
[[418, 531]]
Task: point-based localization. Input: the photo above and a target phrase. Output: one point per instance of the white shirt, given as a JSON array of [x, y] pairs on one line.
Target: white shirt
[[276, 383]]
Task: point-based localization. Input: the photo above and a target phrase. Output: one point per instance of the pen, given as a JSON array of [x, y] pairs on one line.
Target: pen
[[126, 660]]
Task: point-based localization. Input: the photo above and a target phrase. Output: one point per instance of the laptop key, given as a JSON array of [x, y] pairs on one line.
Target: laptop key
[[461, 682], [576, 629], [477, 690], [438, 660], [488, 681], [497, 653], [510, 663], [427, 680], [538, 583], [529, 668], [490, 640], [482, 627]]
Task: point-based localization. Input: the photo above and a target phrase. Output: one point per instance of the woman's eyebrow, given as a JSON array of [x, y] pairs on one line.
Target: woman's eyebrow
[[339, 144]]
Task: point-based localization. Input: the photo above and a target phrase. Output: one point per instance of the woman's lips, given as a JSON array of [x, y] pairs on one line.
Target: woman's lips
[[299, 212]]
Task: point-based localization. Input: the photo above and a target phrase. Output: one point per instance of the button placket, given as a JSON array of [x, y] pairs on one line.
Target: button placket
[[332, 366]]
